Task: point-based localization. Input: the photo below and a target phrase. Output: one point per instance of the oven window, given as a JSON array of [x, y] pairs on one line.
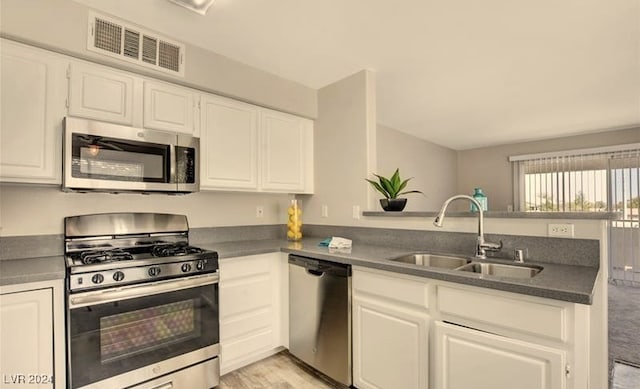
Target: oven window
[[113, 338], [105, 158], [126, 334]]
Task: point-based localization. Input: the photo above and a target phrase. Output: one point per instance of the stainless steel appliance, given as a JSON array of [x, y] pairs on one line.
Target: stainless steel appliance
[[320, 315], [108, 157], [142, 303]]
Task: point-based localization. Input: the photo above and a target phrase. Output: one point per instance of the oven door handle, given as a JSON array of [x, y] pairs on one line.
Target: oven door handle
[[140, 290]]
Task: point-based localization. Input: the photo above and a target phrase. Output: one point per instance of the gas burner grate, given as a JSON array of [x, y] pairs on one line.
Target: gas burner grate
[[171, 250], [98, 256]]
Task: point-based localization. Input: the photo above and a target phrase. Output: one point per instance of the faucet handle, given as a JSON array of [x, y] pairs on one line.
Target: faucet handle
[[492, 246]]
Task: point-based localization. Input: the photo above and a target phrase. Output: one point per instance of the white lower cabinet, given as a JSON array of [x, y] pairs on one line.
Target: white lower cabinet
[[252, 289], [32, 336], [413, 332], [390, 346], [467, 358], [390, 331]]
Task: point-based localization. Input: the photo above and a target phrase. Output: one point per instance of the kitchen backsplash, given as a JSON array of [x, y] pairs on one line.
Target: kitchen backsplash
[[582, 252]]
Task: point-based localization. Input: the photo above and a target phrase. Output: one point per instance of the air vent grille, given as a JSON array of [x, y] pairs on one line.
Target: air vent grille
[[131, 43], [149, 50], [112, 37], [169, 56], [108, 36]]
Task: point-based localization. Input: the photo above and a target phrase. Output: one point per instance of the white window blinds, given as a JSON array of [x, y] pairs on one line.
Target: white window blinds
[[589, 180]]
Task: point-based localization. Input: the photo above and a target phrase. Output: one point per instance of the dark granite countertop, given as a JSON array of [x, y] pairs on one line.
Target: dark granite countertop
[[20, 271], [560, 282]]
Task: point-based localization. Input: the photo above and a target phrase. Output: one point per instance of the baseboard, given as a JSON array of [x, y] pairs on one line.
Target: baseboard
[[255, 357]]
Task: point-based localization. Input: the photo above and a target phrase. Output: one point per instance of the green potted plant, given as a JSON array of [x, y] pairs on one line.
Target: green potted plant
[[391, 188]]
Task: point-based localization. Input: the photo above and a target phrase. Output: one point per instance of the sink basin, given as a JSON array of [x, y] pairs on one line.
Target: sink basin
[[433, 260], [502, 270]]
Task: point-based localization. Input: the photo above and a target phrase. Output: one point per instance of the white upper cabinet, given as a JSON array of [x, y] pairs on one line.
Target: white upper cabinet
[[97, 92], [33, 85], [228, 144], [245, 147], [169, 107], [285, 156]]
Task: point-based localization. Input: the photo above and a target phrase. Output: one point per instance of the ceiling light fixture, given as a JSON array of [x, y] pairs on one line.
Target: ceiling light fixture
[[199, 6]]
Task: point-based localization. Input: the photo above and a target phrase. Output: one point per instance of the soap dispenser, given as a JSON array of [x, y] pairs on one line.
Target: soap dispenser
[[481, 198]]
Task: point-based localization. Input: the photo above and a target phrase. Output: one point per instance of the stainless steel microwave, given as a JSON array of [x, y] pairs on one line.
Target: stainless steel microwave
[[107, 157]]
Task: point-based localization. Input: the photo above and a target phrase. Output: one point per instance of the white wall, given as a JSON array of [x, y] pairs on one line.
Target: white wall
[[432, 167], [61, 25], [40, 210], [344, 148]]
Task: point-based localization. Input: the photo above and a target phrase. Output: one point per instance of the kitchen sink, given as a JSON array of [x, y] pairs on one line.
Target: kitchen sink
[[432, 260], [502, 270]]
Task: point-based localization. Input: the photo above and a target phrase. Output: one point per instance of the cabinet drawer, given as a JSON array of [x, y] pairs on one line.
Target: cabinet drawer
[[401, 289], [245, 295], [231, 351], [514, 314], [232, 268]]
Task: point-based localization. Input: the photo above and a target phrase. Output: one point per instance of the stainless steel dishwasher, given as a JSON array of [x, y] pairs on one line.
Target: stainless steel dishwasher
[[320, 315]]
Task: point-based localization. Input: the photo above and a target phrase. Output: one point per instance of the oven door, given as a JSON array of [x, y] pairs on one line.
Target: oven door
[[122, 336]]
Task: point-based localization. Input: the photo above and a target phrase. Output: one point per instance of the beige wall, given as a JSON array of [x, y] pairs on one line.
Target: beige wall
[[344, 139], [61, 25], [432, 167], [40, 210], [490, 169]]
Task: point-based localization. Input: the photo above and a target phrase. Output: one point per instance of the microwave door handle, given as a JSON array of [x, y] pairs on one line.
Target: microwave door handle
[[173, 159]]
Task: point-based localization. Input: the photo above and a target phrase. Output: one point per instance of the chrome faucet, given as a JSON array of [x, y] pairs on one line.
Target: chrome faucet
[[481, 246]]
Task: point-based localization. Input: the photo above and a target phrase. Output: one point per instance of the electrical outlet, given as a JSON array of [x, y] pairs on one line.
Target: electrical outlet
[[356, 212], [259, 211], [564, 230], [325, 211]]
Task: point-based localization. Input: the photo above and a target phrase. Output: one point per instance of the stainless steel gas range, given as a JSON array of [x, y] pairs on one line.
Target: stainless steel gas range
[[142, 304]]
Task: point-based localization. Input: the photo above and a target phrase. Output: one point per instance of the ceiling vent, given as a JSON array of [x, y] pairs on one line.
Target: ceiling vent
[[112, 37]]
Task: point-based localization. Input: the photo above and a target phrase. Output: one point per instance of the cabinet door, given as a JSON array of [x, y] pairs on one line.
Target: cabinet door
[[467, 358], [390, 346], [249, 309], [27, 339], [284, 157], [96, 92], [33, 85], [168, 107], [228, 144]]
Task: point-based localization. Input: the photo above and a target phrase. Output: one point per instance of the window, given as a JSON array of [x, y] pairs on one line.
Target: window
[[592, 180]]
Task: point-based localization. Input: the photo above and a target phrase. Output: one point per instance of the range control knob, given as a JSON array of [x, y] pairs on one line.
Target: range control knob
[[118, 276], [186, 267], [154, 271], [200, 265], [97, 278]]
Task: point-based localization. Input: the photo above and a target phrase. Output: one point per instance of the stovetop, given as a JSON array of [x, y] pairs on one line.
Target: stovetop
[[107, 253], [131, 248]]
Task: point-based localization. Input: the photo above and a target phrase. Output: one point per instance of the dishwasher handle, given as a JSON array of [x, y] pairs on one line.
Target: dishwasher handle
[[318, 267]]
